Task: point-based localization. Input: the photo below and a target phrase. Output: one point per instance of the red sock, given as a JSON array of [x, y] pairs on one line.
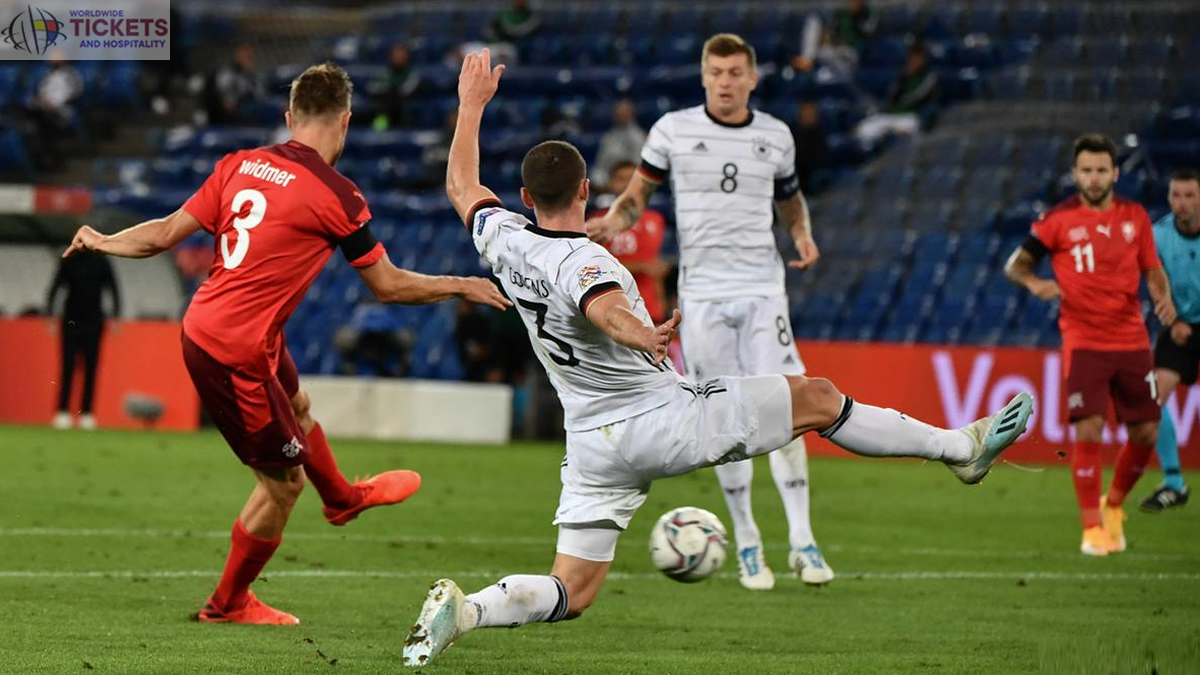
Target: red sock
[[1086, 471], [247, 556], [323, 473], [1131, 463]]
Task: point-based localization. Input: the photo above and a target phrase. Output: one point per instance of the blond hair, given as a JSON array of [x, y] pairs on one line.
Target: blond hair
[[727, 44]]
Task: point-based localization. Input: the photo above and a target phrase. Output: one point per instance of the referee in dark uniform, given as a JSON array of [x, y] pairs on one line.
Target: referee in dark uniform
[[84, 278]]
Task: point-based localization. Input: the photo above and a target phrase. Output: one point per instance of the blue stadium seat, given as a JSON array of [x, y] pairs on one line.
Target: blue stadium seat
[[987, 20], [1027, 21]]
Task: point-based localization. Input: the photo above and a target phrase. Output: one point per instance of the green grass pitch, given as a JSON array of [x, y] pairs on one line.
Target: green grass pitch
[[108, 541]]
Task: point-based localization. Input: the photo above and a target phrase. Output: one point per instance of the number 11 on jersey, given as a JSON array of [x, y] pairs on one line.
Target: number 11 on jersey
[[1083, 253]]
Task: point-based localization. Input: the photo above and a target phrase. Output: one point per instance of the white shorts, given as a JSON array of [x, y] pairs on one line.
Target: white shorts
[[607, 472], [746, 336]]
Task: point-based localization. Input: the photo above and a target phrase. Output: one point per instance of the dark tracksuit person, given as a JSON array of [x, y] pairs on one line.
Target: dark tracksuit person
[[85, 278]]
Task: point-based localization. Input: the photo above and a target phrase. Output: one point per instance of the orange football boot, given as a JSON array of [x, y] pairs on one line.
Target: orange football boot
[[254, 612], [389, 487]]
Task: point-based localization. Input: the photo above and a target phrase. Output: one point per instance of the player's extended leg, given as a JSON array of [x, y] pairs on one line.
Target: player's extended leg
[[342, 500], [1173, 491], [257, 533], [515, 600], [866, 430]]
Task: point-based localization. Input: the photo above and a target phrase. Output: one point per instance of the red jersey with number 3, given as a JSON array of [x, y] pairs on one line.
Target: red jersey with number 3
[[1098, 258], [276, 214]]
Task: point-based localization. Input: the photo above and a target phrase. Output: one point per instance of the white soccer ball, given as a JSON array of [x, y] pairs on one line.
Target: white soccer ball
[[688, 544]]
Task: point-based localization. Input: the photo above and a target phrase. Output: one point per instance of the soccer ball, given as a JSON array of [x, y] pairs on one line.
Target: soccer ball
[[688, 544]]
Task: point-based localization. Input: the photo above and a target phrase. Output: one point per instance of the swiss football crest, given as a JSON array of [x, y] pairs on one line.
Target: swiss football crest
[[1128, 231], [1078, 233]]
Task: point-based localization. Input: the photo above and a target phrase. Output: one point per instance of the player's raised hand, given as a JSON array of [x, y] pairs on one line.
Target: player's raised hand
[[1181, 332], [483, 292], [1044, 289], [1164, 309], [602, 229], [809, 253], [85, 239], [663, 334], [478, 80]]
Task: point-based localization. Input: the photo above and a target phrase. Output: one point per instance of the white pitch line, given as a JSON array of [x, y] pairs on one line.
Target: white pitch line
[[616, 576], [549, 540]]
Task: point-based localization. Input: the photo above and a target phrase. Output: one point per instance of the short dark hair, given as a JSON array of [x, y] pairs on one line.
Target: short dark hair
[[1185, 173], [552, 172], [320, 90], [1094, 142]]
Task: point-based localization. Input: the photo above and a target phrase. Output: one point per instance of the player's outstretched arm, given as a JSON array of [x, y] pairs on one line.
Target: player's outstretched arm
[[612, 314], [477, 83], [140, 241], [397, 286], [794, 211], [1019, 270], [625, 211]]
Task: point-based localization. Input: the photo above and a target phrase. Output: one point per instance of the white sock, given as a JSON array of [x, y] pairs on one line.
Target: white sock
[[514, 601], [789, 468], [882, 432], [735, 479]]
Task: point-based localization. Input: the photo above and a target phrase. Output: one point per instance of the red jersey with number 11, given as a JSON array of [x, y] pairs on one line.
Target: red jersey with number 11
[[276, 213], [1098, 258]]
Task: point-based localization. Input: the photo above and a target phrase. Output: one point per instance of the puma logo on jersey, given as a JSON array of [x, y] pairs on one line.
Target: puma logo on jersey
[[264, 170], [1105, 230]]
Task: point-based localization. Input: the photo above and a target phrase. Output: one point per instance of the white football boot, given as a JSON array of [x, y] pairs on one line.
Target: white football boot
[[437, 626], [62, 420], [991, 435], [810, 566], [87, 422], [754, 573]]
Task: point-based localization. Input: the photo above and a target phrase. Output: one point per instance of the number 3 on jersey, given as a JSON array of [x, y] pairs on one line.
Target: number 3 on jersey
[[539, 310], [243, 225]]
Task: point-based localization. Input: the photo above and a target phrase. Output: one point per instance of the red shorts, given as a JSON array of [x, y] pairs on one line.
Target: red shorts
[[254, 416], [1127, 377]]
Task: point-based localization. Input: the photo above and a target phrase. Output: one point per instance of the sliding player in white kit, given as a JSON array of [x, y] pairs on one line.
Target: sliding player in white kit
[[728, 164], [630, 419]]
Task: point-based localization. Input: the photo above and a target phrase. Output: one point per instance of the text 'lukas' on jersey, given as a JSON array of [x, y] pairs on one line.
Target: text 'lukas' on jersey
[[257, 168]]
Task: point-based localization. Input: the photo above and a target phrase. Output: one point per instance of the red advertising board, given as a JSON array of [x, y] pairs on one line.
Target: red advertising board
[[139, 358], [951, 386]]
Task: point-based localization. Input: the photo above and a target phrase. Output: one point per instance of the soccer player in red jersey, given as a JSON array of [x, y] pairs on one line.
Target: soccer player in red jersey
[[639, 247], [1100, 246], [276, 214]]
